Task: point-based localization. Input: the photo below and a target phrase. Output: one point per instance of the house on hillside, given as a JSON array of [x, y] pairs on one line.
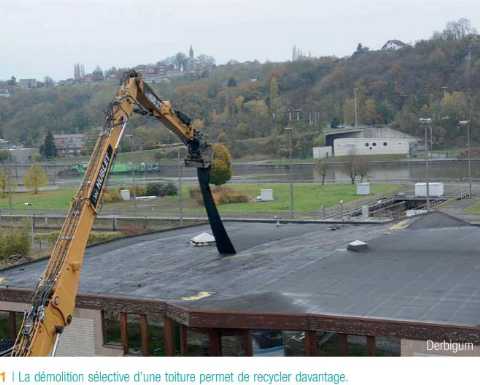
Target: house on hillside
[[27, 83], [69, 144], [393, 45]]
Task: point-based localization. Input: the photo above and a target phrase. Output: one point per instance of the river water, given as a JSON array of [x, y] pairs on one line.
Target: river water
[[451, 170], [399, 171]]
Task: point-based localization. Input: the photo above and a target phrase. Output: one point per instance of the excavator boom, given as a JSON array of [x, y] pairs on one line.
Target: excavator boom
[[54, 297]]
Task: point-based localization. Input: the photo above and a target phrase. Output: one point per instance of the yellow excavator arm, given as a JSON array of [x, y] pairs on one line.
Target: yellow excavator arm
[[54, 297]]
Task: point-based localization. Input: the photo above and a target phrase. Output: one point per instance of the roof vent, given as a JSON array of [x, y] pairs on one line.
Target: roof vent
[[203, 239], [357, 246]]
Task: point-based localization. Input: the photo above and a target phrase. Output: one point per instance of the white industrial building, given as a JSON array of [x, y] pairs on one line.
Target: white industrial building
[[322, 152], [371, 146]]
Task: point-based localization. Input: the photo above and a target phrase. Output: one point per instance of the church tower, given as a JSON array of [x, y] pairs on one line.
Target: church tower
[[190, 53]]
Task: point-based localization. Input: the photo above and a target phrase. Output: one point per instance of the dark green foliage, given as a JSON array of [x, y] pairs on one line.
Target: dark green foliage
[[48, 150], [231, 82], [4, 155], [335, 122], [161, 189]]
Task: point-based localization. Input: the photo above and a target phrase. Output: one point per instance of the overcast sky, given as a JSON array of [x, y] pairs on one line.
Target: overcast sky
[[47, 37]]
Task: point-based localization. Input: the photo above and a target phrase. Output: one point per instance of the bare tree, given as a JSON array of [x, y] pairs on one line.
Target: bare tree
[[458, 30], [350, 166], [361, 165], [322, 166]]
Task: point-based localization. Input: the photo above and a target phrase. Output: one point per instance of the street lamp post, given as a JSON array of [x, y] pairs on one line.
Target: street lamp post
[[179, 193], [290, 150], [466, 123], [29, 204], [427, 123], [179, 147]]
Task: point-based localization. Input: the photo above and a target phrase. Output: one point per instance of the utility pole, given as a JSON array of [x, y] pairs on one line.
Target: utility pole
[[179, 147], [29, 204], [427, 123], [469, 141], [356, 106], [290, 151], [179, 193], [134, 186], [444, 88], [467, 124]]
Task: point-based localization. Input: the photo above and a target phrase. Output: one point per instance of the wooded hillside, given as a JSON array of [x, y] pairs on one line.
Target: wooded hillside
[[247, 105]]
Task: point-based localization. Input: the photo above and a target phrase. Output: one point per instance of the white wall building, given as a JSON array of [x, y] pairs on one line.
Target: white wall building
[[371, 146], [322, 152]]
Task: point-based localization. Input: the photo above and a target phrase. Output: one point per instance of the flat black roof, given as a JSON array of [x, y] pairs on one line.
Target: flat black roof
[[422, 269]]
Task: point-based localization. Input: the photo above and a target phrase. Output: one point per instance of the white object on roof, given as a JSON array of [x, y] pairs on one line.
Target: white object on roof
[[146, 198], [413, 213], [203, 239], [363, 188], [125, 194], [435, 189], [357, 246], [266, 195]]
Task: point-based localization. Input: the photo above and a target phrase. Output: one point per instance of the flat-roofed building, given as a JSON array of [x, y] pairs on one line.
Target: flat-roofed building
[[371, 146], [416, 285], [69, 144]]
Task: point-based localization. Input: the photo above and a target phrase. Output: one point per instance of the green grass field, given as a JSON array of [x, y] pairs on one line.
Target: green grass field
[[308, 197], [46, 200], [474, 208]]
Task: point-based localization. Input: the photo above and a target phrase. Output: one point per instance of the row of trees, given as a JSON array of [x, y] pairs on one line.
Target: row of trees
[[34, 179], [355, 166]]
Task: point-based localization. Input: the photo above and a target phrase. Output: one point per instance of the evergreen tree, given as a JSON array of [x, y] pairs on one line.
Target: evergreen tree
[[48, 150], [232, 82]]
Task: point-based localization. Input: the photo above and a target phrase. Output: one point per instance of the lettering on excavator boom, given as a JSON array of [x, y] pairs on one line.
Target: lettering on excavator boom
[[102, 174], [53, 301]]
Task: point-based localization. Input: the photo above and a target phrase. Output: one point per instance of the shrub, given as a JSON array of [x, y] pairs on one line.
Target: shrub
[[225, 195], [138, 190], [111, 196], [104, 236], [161, 189], [221, 169], [94, 237], [15, 242], [196, 195], [221, 196], [4, 155], [131, 230]]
